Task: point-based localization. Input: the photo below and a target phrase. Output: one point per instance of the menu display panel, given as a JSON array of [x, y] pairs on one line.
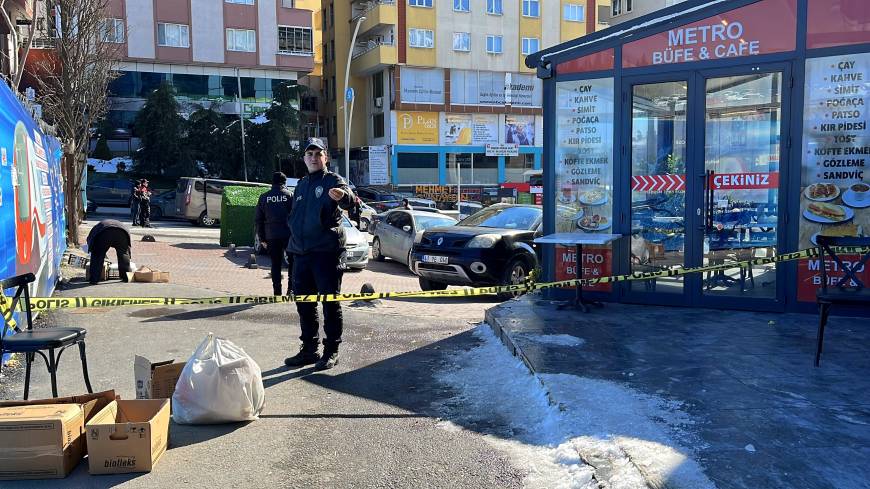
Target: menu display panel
[[584, 172], [835, 179]]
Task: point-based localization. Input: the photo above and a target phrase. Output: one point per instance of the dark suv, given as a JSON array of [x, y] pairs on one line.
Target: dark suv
[[494, 246], [109, 193], [380, 200]]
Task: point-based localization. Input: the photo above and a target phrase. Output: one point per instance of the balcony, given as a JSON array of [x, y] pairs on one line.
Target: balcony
[[379, 14], [372, 57]]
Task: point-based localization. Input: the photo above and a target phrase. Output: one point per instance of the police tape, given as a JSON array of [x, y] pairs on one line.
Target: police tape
[[39, 304]]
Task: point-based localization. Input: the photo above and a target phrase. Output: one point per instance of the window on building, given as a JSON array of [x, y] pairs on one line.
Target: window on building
[[332, 48], [173, 35], [619, 7], [421, 38], [326, 91], [378, 125], [294, 40], [493, 44], [243, 2], [575, 12], [378, 89], [461, 41], [417, 168], [242, 40], [420, 3], [113, 30], [515, 167], [532, 8], [331, 15], [603, 15], [332, 88], [335, 125], [494, 7], [531, 45], [461, 5]]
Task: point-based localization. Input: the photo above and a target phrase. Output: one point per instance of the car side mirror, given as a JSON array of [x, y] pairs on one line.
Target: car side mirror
[[407, 229]]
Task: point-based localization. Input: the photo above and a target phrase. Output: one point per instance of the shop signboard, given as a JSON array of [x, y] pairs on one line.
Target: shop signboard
[[837, 23], [417, 127], [522, 90], [835, 187], [519, 130], [506, 149], [468, 129], [422, 86], [473, 87], [379, 157], [745, 31], [596, 262]]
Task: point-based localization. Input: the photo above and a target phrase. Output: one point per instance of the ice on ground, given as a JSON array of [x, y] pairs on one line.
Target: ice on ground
[[554, 339], [601, 433]]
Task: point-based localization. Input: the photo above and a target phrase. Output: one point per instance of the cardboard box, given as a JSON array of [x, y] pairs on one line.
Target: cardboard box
[[145, 274], [91, 403], [128, 436], [156, 380], [41, 441]]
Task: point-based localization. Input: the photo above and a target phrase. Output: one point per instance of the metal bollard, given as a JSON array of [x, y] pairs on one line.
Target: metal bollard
[[252, 261]]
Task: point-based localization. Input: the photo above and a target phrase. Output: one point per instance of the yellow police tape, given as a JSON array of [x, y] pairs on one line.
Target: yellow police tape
[[529, 285]]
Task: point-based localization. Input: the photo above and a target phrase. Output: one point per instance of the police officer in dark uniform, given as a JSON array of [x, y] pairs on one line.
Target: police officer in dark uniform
[[273, 208], [108, 233], [317, 243]]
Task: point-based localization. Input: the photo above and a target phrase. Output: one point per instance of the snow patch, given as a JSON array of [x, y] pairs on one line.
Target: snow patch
[[605, 430], [554, 339]]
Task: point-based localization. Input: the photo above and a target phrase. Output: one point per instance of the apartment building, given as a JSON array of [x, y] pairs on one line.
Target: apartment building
[[15, 18], [625, 10], [227, 54], [442, 94]]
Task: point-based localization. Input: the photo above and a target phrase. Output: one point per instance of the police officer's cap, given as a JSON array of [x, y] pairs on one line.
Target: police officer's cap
[[315, 143]]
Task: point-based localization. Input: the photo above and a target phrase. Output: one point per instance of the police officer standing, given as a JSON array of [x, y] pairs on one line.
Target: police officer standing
[[273, 208], [317, 243]]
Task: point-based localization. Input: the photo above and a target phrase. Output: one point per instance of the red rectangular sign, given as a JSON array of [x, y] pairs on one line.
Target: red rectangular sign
[[810, 275], [596, 263], [602, 60], [838, 23], [746, 31], [742, 181]]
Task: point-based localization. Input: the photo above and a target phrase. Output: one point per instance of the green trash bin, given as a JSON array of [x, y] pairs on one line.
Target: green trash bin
[[238, 207]]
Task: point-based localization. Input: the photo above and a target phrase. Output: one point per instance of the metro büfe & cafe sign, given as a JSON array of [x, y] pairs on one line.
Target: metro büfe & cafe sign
[[741, 32]]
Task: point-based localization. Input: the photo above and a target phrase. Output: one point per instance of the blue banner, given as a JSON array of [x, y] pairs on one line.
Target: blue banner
[[32, 219]]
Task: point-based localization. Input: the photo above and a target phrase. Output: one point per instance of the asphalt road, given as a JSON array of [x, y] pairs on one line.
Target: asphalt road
[[373, 421]]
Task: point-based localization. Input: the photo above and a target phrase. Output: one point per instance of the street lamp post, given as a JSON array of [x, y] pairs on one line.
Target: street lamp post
[[348, 100], [242, 123]]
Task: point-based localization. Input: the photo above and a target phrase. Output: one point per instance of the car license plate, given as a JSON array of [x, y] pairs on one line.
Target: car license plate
[[435, 259]]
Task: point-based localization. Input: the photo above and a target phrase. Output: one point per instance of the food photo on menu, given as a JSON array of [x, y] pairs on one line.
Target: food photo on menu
[[832, 210]]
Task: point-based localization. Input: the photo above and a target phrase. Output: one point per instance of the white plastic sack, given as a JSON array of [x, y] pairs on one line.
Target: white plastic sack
[[219, 384]]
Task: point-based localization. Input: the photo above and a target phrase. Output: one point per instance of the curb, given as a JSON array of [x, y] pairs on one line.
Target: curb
[[598, 465]]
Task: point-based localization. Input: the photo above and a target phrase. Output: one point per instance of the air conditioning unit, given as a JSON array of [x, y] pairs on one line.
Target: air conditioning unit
[[379, 102]]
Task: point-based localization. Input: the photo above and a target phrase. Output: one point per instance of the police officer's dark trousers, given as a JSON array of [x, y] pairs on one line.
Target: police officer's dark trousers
[[277, 249], [110, 238], [315, 273]]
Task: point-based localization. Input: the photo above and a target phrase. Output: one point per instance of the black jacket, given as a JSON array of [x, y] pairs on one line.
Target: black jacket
[[102, 226], [315, 221], [272, 210]]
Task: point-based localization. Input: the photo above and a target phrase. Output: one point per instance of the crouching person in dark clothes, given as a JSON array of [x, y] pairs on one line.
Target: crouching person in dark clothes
[[273, 208], [317, 243], [108, 233]]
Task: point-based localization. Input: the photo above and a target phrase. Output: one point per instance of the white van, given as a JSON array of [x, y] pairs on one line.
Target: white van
[[199, 199]]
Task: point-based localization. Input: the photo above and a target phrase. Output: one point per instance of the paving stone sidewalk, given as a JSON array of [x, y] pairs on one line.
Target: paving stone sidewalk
[[765, 417]]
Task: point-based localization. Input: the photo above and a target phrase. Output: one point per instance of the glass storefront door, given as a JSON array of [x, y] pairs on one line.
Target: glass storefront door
[[705, 176], [742, 129]]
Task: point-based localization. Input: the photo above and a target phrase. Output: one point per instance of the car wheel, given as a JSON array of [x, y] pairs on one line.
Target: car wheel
[[364, 224], [514, 273], [426, 285], [376, 250], [206, 220], [156, 213]]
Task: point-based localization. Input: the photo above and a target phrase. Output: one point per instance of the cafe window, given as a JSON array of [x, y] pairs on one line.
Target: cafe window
[[515, 167], [417, 168]]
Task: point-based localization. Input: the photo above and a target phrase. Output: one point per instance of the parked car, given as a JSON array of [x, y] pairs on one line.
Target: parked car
[[417, 202], [468, 208], [163, 205], [357, 246], [494, 246], [380, 200], [366, 216], [199, 199], [109, 192], [400, 229]]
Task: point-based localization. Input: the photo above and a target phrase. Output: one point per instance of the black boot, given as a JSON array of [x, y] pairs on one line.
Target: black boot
[[329, 359], [306, 356]]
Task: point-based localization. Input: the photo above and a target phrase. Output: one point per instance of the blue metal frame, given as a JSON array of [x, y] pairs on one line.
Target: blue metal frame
[[791, 64]]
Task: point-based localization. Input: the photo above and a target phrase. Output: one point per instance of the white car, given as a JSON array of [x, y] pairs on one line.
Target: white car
[[356, 244], [366, 213]]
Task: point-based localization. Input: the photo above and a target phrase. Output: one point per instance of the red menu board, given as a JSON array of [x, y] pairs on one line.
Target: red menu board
[[810, 275], [596, 262], [746, 31]]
